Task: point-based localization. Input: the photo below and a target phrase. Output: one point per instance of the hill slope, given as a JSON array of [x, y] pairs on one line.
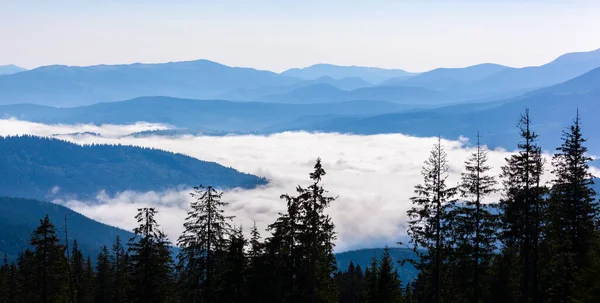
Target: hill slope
[[42, 168], [72, 85], [19, 217]]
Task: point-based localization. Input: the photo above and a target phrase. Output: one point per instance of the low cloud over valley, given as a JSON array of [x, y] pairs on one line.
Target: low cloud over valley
[[373, 176]]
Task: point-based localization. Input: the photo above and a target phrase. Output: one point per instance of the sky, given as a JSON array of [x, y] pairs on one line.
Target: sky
[[276, 35], [371, 176]]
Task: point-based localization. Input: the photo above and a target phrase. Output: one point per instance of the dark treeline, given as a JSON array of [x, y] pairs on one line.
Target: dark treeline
[[539, 243]]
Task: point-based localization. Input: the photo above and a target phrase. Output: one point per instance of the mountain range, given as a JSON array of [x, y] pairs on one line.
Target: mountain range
[[371, 74], [68, 86], [43, 168], [72, 85], [552, 109]]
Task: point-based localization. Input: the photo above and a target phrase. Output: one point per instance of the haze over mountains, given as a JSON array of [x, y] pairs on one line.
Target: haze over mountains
[[202, 97], [67, 86]]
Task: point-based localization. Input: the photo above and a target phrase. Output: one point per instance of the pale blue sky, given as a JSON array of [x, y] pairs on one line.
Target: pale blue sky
[[276, 35]]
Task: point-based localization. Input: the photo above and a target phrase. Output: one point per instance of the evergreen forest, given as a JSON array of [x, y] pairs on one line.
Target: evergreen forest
[[540, 242]]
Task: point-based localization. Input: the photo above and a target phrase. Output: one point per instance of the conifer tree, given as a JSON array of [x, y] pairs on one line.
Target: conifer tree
[[120, 263], [316, 238], [372, 282], [475, 226], [203, 244], [573, 214], [4, 279], [388, 283], [523, 207], [104, 277], [27, 277], [256, 274], [284, 254], [429, 220], [350, 284], [80, 281], [232, 288], [151, 262], [49, 264], [13, 288]]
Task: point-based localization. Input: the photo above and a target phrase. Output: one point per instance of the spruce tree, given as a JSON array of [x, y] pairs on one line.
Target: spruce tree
[[203, 244], [372, 282], [119, 261], [256, 274], [524, 208], [81, 283], [4, 269], [475, 226], [388, 283], [233, 283], [49, 265], [573, 213], [151, 262], [27, 278], [104, 277], [316, 238], [429, 220]]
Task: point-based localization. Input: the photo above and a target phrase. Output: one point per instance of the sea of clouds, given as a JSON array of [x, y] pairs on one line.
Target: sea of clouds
[[372, 176]]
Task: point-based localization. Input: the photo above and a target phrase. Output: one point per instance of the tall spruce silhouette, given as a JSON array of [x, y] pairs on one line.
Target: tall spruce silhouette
[[151, 262], [475, 226], [428, 219], [523, 206], [203, 243], [573, 213]]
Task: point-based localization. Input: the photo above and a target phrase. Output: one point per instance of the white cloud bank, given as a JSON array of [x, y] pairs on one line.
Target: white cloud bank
[[14, 127], [372, 175]]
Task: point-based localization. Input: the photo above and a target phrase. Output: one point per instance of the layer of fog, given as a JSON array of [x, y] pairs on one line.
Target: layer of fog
[[14, 127], [373, 177]]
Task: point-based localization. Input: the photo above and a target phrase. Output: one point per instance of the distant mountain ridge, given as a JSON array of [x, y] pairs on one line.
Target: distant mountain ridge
[[10, 69], [443, 79], [61, 85], [199, 115], [324, 93], [371, 74], [552, 110], [349, 83], [44, 168]]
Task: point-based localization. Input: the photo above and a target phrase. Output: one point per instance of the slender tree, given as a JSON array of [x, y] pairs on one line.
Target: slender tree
[[475, 226], [49, 264], [104, 277], [388, 283], [119, 261], [429, 220], [523, 207], [203, 243], [152, 266], [573, 214]]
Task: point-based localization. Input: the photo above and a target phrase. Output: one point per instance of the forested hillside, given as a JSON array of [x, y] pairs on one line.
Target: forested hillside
[[42, 168], [18, 217]]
